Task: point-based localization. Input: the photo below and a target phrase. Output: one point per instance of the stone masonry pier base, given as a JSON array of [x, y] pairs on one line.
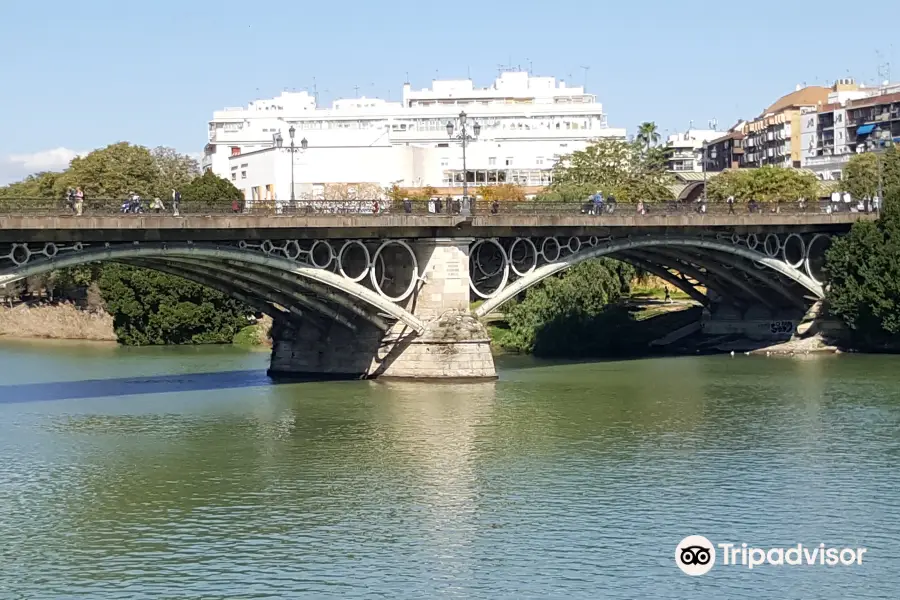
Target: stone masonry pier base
[[454, 345]]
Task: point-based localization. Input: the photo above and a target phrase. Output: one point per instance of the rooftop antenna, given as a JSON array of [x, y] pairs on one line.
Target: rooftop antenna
[[407, 78], [884, 68], [356, 91], [713, 124], [586, 68], [530, 69], [468, 72], [315, 91]]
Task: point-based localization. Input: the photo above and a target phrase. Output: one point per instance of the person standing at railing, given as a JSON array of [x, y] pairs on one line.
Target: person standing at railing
[[495, 207], [407, 206], [176, 202], [70, 199], [611, 204], [157, 205], [598, 203], [730, 202], [79, 201]]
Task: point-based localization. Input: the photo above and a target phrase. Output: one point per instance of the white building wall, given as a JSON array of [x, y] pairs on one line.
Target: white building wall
[[525, 123]]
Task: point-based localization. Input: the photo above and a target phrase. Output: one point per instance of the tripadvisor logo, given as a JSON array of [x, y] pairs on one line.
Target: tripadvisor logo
[[696, 555]]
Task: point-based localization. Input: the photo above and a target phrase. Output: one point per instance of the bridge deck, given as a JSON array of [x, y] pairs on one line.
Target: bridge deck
[[144, 227]]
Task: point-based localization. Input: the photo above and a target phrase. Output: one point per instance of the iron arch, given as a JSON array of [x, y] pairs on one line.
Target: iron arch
[[215, 253], [613, 246]]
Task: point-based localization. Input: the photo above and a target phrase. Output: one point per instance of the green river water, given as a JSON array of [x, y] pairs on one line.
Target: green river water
[[185, 473]]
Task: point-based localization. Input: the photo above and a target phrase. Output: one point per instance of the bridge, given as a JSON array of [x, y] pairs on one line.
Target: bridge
[[357, 293]]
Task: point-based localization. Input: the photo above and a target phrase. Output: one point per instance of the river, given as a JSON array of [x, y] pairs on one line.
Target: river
[[184, 473]]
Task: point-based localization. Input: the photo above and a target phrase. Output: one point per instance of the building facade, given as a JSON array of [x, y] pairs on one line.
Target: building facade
[[855, 119], [526, 124], [727, 151], [774, 138], [686, 149]]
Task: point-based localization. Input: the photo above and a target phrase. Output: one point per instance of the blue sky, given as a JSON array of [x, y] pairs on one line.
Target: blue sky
[[80, 75]]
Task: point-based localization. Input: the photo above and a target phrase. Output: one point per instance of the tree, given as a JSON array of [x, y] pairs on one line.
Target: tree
[[559, 315], [39, 185], [615, 168], [864, 278], [398, 194], [503, 192], [112, 172], [152, 308], [174, 171], [765, 184], [863, 173], [212, 191], [648, 134]]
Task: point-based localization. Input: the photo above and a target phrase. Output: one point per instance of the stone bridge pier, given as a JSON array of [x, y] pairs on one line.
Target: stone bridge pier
[[451, 344]]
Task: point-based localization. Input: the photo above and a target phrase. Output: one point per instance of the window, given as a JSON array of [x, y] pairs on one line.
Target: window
[[235, 151], [509, 161], [243, 174], [492, 161], [539, 160], [234, 176], [445, 161]]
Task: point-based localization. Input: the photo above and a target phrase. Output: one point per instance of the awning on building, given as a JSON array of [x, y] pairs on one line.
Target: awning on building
[[864, 129]]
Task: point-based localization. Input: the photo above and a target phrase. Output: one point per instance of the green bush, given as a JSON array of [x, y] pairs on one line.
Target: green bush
[[152, 308]]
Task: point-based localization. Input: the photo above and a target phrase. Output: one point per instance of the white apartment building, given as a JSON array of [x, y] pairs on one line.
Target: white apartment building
[[526, 124], [687, 148], [829, 134]]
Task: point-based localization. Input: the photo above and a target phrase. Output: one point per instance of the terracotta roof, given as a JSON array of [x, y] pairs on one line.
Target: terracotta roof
[[874, 100], [808, 96]]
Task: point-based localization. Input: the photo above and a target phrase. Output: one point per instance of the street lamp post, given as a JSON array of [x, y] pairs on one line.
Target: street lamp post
[[705, 152], [464, 136], [879, 147], [291, 132]]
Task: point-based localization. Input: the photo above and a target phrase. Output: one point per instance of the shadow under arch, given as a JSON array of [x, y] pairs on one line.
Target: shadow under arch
[[213, 252], [611, 247]]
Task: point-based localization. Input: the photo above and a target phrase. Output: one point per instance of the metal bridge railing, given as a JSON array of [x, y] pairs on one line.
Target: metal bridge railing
[[306, 208]]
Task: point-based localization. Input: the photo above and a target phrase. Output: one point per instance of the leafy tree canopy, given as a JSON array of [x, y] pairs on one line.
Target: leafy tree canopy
[[211, 190], [113, 172], [151, 308], [555, 315], [625, 170], [765, 184], [863, 172], [864, 278], [39, 185], [505, 192]]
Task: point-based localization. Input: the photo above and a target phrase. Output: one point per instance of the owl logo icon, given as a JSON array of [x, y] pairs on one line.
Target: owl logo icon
[[695, 555]]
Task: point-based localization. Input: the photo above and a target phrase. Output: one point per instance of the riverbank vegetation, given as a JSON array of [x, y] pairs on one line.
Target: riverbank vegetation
[[141, 307], [59, 320], [864, 267]]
